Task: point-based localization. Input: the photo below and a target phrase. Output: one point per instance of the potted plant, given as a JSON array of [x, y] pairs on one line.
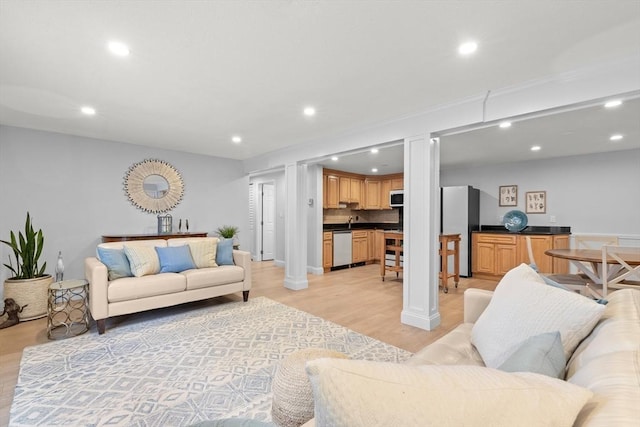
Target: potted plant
[[229, 232], [29, 284]]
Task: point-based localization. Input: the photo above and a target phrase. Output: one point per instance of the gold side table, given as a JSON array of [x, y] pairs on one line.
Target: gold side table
[[68, 311]]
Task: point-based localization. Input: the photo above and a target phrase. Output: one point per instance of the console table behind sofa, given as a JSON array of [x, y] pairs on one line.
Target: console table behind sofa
[[125, 237]]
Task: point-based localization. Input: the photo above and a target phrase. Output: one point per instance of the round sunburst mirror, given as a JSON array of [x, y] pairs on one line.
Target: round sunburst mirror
[[153, 186]]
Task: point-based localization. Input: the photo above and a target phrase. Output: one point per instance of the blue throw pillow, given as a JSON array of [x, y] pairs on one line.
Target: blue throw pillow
[[224, 254], [540, 354], [174, 259], [116, 262]]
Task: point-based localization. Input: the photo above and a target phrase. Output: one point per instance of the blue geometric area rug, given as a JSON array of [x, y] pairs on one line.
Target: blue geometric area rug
[[176, 369]]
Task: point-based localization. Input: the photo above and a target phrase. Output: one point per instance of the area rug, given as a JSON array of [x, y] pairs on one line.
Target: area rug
[[176, 369]]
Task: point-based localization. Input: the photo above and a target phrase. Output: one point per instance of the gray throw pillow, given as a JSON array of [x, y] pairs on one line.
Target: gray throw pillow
[[540, 354]]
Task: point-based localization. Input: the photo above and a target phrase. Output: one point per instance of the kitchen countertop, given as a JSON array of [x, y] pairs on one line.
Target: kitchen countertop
[[361, 226], [532, 229]]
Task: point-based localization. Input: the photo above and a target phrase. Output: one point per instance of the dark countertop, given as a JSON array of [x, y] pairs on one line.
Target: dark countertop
[[532, 229], [362, 226]]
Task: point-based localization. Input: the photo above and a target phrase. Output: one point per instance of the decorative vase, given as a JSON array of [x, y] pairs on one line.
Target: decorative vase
[[32, 293], [59, 268]]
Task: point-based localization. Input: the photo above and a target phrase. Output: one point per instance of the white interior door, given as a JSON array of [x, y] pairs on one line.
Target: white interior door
[[268, 221]]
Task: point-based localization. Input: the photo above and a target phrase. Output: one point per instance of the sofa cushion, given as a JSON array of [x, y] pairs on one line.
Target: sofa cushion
[[540, 354], [614, 379], [116, 261], [143, 260], [130, 288], [205, 277], [454, 348], [204, 252], [174, 259], [361, 393], [224, 255], [522, 307]]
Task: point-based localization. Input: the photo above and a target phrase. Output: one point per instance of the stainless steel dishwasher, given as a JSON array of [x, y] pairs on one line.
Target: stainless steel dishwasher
[[341, 248]]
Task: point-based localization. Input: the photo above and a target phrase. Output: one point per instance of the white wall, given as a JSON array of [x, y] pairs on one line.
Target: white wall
[[73, 188], [596, 193]]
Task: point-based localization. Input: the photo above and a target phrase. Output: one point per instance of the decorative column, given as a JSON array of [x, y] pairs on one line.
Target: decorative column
[[421, 232], [295, 233]]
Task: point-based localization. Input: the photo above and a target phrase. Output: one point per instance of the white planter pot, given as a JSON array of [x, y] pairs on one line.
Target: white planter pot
[[33, 293]]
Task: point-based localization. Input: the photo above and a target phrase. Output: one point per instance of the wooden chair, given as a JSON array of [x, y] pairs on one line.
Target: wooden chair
[[594, 242], [574, 282], [620, 274]]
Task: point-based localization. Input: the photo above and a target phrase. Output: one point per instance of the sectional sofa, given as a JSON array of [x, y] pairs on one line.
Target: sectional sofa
[[129, 277], [526, 354]]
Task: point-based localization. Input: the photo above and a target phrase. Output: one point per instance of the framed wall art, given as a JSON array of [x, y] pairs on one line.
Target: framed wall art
[[536, 202], [508, 195]]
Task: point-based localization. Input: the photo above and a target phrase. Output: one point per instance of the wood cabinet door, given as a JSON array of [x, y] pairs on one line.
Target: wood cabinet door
[[345, 189], [485, 255], [561, 266], [371, 243], [359, 250], [397, 184], [332, 192], [372, 195], [506, 258], [327, 253], [385, 189], [355, 192], [377, 250], [539, 244], [324, 191]]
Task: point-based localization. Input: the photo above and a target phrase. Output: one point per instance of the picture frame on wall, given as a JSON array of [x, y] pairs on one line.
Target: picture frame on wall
[[536, 202], [508, 195]]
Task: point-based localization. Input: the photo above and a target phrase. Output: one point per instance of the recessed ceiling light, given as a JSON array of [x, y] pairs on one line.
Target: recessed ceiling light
[[118, 48], [536, 148], [309, 111], [505, 125], [89, 111], [334, 158], [236, 139], [616, 137], [374, 150], [374, 170], [613, 103], [467, 48]]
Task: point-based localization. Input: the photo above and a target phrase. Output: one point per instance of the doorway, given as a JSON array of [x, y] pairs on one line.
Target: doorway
[[266, 224]]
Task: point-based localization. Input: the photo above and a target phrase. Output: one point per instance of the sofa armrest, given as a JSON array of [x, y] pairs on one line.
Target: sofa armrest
[[475, 301], [243, 259], [96, 274]]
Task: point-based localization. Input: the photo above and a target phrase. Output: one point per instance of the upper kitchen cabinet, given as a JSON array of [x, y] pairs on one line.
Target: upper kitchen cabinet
[[397, 183], [373, 194], [351, 189], [330, 192]]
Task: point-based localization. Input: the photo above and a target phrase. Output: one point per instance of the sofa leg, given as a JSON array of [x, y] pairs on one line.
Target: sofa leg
[[245, 296], [101, 326]]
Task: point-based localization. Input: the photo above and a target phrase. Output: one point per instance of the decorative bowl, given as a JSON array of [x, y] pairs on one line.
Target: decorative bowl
[[515, 221]]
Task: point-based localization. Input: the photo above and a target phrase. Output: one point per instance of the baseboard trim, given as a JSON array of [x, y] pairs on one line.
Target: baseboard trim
[[317, 271], [423, 322], [278, 263]]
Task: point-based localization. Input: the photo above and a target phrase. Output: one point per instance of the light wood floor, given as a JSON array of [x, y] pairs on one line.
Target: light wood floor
[[355, 298]]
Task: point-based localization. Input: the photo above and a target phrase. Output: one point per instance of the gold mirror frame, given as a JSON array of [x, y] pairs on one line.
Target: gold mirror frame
[[134, 186]]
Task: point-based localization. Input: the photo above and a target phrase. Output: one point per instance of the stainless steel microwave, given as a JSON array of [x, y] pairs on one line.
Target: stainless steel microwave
[[396, 198]]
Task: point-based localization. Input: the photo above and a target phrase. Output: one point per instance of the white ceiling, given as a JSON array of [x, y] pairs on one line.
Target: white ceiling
[[202, 71], [578, 131]]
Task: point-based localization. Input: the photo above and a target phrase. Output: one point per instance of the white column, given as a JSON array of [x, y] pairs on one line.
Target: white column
[[421, 232], [295, 233]]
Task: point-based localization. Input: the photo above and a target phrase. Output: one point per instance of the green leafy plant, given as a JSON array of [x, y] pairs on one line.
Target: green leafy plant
[[27, 249], [227, 231]]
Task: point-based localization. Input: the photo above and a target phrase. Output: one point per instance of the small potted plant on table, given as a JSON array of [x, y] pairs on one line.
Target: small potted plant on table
[[229, 232], [29, 286]]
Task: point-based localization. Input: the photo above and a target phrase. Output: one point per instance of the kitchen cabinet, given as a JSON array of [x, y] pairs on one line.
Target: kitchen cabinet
[[327, 250], [350, 189], [372, 194], [371, 239], [331, 189], [385, 189], [360, 246], [397, 183], [377, 246], [494, 254]]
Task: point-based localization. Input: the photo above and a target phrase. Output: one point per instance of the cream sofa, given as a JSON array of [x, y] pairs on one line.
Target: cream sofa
[[606, 363], [134, 294]]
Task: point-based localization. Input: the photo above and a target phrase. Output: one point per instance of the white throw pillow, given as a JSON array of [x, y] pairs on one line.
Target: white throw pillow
[[203, 252], [143, 260], [361, 393], [522, 307]]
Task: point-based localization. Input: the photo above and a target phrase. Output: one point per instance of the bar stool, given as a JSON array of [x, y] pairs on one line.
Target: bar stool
[[445, 253]]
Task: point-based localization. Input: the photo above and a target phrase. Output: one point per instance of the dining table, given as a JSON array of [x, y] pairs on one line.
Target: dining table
[[589, 262]]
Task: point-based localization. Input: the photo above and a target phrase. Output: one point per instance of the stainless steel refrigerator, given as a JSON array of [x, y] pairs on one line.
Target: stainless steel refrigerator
[[460, 214]]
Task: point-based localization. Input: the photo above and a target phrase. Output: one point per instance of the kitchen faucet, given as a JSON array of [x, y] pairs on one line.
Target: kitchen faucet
[[349, 222]]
